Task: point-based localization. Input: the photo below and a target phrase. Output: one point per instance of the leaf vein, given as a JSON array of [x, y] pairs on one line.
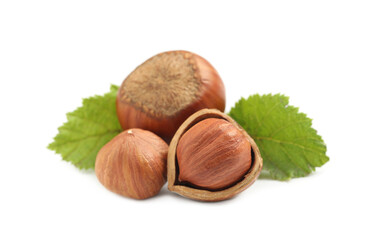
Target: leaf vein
[[290, 143], [86, 137], [260, 123], [89, 120], [291, 159], [287, 126]]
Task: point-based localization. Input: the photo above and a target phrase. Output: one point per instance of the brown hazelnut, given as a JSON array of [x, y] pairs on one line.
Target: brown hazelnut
[[160, 94], [213, 154], [133, 164], [211, 158]]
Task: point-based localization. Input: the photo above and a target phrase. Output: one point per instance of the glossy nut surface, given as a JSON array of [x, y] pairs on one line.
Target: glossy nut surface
[[160, 94], [213, 154], [133, 164], [221, 191]]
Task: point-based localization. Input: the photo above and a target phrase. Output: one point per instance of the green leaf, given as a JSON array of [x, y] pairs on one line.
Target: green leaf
[[289, 146], [87, 129]]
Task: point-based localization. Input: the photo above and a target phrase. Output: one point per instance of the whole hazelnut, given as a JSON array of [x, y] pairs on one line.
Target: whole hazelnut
[[133, 164], [213, 154], [160, 94], [212, 158]]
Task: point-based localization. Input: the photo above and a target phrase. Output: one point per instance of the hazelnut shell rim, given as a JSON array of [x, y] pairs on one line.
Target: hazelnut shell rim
[[206, 195]]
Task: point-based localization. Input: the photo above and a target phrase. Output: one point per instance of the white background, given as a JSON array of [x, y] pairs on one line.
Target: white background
[[52, 54]]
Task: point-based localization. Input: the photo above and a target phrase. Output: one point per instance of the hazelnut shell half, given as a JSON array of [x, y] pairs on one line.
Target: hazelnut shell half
[[198, 193]]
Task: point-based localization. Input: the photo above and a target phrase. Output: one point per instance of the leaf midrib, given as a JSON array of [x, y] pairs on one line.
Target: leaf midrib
[[318, 151], [87, 137]]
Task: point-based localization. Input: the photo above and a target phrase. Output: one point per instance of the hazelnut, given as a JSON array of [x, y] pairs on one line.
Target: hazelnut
[[160, 94], [133, 164], [211, 158], [213, 154]]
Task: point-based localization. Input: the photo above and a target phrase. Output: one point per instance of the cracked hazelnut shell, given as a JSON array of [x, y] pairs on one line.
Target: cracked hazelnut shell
[[211, 158], [161, 93]]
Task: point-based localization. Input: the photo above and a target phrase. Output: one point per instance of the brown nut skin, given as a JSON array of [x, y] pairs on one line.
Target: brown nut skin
[[213, 154], [204, 158], [160, 94], [133, 164]]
